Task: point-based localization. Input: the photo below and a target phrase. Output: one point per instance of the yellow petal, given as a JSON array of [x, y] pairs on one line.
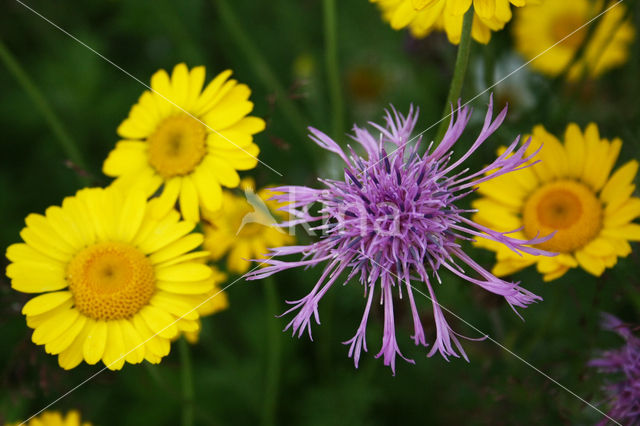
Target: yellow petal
[[133, 343], [95, 342], [35, 277], [186, 257], [224, 173], [599, 247], [196, 81], [131, 214], [46, 302], [54, 326], [159, 321], [114, 352], [208, 188], [508, 267], [555, 274], [191, 271], [173, 305], [620, 186], [180, 85], [495, 215], [34, 321], [39, 228], [73, 355], [403, 15], [65, 227], [575, 146], [591, 264], [237, 260], [554, 162], [177, 248], [630, 232], [189, 206], [211, 93], [459, 7], [127, 157], [625, 214], [484, 8], [249, 125], [421, 4], [165, 235], [185, 287], [62, 342], [547, 265], [154, 345], [168, 197], [188, 326]]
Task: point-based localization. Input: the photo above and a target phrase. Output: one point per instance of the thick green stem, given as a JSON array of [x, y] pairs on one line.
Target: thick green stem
[[188, 393], [462, 60], [66, 143], [333, 68], [274, 336], [262, 71]]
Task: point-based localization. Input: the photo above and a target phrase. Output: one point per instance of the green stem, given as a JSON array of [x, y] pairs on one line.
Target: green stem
[[188, 393], [333, 68], [67, 144], [462, 60], [274, 336], [263, 72]]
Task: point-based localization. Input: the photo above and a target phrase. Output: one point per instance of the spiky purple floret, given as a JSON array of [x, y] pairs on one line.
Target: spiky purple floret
[[394, 219], [623, 394]]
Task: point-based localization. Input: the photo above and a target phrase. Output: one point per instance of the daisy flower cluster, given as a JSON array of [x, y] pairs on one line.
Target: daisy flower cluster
[[118, 273]]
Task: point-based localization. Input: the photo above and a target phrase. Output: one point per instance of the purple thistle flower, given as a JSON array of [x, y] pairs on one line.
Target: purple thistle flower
[[624, 394], [394, 219]]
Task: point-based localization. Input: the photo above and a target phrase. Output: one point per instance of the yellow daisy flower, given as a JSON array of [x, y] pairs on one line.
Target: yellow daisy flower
[[116, 278], [244, 228], [569, 191], [215, 301], [187, 139], [537, 28], [424, 16], [54, 418]]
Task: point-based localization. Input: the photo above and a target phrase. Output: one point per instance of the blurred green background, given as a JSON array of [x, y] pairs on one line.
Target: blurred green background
[[278, 49]]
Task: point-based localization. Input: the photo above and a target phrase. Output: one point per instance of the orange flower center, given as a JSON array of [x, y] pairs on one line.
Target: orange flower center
[[177, 146], [110, 280], [565, 24], [568, 207]]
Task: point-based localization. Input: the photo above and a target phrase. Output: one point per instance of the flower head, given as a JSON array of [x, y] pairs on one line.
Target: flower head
[[187, 140], [558, 24], [568, 192], [393, 219], [245, 228], [117, 282], [623, 394], [54, 418], [424, 16]]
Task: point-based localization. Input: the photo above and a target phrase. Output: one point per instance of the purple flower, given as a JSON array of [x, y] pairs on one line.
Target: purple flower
[[394, 220], [623, 394]]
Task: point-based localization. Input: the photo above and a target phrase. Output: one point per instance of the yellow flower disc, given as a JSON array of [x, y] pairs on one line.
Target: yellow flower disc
[[565, 24], [567, 206], [177, 146], [110, 280]]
